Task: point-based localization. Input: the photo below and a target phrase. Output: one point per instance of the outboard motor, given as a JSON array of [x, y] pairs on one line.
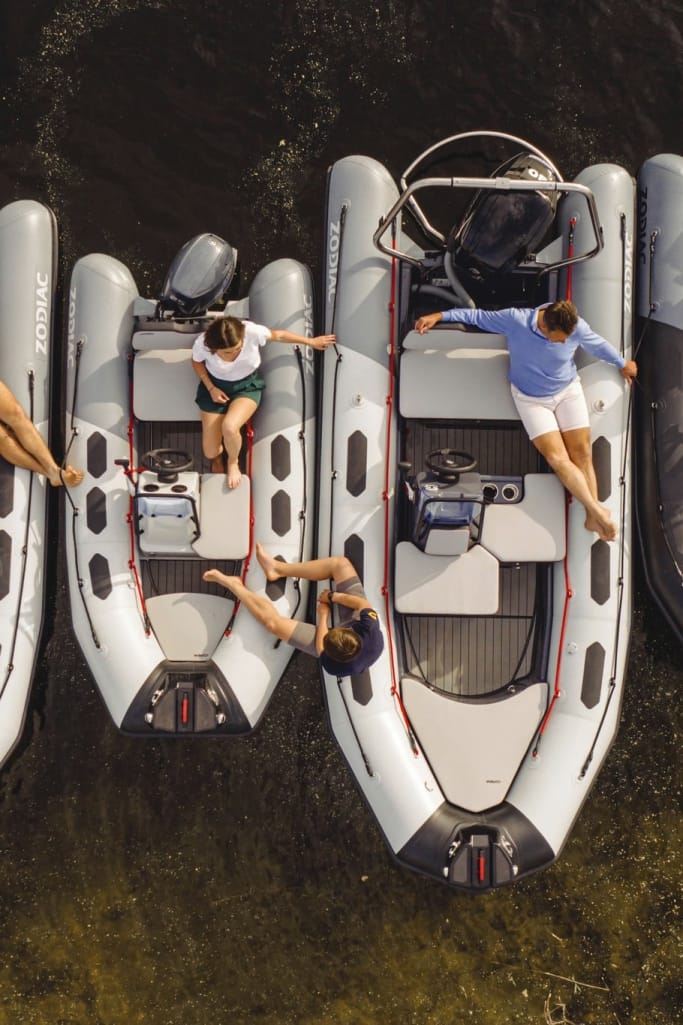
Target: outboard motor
[[200, 275], [501, 227]]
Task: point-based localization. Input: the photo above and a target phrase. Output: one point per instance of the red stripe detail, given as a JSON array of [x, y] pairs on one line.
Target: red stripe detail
[[184, 710], [388, 469], [568, 595], [482, 868]]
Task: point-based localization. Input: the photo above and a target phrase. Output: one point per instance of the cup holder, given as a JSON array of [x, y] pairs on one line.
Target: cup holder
[[510, 492], [502, 491]]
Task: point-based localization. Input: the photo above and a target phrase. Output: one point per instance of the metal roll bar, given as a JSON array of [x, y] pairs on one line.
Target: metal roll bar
[[408, 192]]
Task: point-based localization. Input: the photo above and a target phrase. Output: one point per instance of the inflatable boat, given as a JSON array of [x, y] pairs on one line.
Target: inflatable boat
[[659, 397], [476, 736], [28, 256], [170, 653]]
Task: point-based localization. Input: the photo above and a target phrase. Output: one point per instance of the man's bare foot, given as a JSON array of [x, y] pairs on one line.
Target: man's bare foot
[[69, 476], [603, 525], [234, 475], [267, 563], [214, 576], [218, 464]]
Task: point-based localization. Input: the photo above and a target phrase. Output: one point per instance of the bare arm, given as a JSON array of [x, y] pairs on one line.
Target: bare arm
[[426, 323], [629, 371], [348, 601], [323, 624], [319, 342], [217, 395]]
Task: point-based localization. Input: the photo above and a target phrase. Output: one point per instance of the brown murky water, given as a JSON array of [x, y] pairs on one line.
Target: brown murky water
[[193, 883]]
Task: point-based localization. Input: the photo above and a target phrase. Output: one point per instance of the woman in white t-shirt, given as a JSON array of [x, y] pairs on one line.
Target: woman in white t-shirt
[[226, 358]]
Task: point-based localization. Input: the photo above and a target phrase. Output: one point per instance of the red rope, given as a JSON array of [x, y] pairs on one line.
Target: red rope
[[388, 619], [568, 595]]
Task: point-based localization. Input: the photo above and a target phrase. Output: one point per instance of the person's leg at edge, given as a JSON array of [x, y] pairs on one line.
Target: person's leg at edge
[[260, 607], [212, 439], [335, 567], [556, 453], [578, 444], [239, 411], [22, 445], [14, 453]]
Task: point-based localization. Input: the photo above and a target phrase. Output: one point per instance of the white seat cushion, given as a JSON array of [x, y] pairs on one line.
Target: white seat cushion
[[474, 747], [459, 384], [223, 518], [442, 541], [164, 385], [453, 337], [532, 530], [166, 336], [443, 585], [189, 626]]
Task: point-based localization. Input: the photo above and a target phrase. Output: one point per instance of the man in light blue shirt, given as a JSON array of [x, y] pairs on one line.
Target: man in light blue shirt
[[547, 391]]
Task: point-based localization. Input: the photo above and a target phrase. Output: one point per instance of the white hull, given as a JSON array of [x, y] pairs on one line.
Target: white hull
[[28, 251], [183, 650], [523, 825]]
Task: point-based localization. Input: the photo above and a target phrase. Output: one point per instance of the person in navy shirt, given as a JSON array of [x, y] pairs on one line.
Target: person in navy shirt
[[547, 391], [345, 649]]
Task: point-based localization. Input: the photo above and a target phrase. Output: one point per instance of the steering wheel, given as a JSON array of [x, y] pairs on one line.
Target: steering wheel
[[447, 464], [167, 463]]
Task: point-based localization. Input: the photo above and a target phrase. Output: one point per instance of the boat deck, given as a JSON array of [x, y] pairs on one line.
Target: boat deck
[[474, 655], [178, 576]]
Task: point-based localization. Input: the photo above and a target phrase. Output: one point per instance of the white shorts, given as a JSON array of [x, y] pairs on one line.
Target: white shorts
[[541, 414]]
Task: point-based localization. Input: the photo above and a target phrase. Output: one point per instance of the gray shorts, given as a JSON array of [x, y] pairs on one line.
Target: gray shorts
[[303, 638]]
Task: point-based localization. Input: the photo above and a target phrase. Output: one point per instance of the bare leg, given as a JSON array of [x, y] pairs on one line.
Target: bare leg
[[239, 411], [336, 567], [260, 607], [552, 447], [69, 476], [12, 451], [22, 445], [212, 440], [578, 444]]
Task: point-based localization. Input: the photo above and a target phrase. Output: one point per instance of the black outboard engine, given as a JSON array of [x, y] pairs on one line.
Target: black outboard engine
[[501, 227], [200, 274]]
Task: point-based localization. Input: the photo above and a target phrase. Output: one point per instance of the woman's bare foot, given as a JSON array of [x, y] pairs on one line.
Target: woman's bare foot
[[234, 475], [218, 464], [268, 564], [69, 476], [214, 576], [603, 525]]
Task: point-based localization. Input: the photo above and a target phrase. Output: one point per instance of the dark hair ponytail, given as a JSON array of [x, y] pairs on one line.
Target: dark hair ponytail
[[224, 333]]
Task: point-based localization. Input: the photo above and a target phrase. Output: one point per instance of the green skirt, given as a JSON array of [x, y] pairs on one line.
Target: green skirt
[[250, 387]]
